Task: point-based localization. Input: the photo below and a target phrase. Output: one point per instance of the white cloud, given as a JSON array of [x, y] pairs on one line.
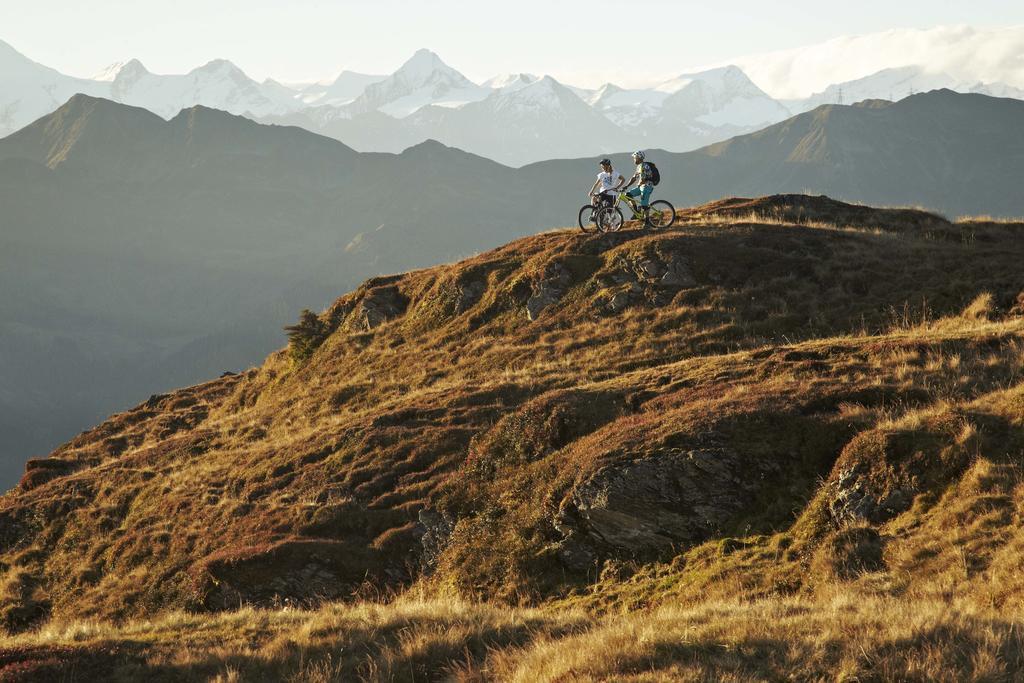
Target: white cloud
[[966, 53]]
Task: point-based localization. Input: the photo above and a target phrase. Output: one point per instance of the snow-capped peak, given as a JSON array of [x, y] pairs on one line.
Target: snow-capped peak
[[133, 68], [109, 73], [887, 84], [425, 65], [218, 67], [218, 84], [545, 94], [9, 55], [510, 81], [724, 96], [627, 108], [423, 80], [726, 78]]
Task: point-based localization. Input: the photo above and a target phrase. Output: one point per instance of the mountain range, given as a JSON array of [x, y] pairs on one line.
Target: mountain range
[[140, 253], [514, 119]]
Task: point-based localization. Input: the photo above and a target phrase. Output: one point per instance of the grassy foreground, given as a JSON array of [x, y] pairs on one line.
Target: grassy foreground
[[843, 636], [942, 601]]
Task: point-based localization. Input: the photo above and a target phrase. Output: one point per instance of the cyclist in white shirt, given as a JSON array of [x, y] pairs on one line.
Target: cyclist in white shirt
[[609, 183]]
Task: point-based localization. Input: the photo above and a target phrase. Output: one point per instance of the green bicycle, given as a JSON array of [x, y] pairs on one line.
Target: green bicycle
[[658, 214]]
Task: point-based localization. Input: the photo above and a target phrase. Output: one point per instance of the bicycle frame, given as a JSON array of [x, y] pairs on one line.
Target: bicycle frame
[[636, 208]]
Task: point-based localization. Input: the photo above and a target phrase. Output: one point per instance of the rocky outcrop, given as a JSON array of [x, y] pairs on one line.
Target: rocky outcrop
[[643, 506], [645, 278], [467, 294], [853, 498], [295, 570], [435, 529], [378, 306], [548, 289], [39, 471]]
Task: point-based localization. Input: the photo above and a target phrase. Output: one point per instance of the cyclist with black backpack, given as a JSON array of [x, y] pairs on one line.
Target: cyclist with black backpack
[[647, 176]]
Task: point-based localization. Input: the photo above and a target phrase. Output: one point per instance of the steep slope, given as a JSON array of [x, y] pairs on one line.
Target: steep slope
[[175, 249], [515, 421]]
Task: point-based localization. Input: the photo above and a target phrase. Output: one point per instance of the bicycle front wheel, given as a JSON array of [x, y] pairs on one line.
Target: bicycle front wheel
[[661, 214], [610, 219], [588, 219]]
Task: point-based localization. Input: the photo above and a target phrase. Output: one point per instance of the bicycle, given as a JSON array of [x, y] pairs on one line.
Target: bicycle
[[659, 214], [588, 217]]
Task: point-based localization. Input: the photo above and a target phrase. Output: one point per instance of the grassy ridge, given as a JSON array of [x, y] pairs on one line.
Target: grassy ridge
[[740, 448]]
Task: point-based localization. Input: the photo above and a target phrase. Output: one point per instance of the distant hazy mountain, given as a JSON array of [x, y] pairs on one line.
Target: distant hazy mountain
[[898, 83], [428, 99], [522, 122], [139, 254], [520, 118], [951, 152], [721, 97], [29, 90], [423, 80], [342, 90], [971, 54], [218, 84], [510, 81]]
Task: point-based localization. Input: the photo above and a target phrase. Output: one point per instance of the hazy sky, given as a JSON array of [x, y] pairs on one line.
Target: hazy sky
[[580, 42]]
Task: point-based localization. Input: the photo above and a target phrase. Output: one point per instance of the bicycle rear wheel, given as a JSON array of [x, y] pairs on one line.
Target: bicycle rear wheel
[[661, 214], [610, 219], [588, 218]]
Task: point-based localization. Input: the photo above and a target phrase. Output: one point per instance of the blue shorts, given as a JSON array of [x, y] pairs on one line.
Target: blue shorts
[[644, 192]]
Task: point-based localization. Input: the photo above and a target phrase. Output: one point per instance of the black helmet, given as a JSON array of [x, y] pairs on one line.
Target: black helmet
[[605, 162]]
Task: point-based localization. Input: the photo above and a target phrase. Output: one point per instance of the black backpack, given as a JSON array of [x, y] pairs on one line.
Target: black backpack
[[655, 174]]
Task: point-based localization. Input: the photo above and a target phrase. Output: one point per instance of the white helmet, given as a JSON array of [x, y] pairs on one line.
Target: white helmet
[[638, 155]]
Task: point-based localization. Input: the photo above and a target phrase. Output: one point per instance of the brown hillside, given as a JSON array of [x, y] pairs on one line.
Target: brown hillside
[[774, 391]]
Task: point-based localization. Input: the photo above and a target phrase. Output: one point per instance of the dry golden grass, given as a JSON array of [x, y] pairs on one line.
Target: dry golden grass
[[821, 338], [841, 634]]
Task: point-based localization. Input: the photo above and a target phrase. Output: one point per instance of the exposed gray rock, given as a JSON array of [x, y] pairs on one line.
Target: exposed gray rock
[[651, 268], [620, 300], [648, 279], [643, 506], [378, 306], [548, 290], [678, 274], [469, 294], [853, 499], [621, 278], [436, 529]]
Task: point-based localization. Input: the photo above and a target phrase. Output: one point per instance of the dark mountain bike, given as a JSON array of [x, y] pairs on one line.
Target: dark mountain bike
[[658, 214]]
